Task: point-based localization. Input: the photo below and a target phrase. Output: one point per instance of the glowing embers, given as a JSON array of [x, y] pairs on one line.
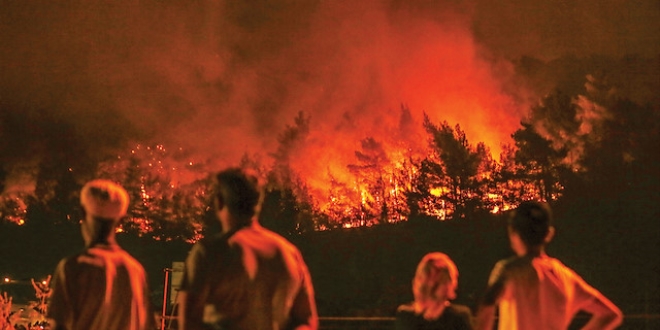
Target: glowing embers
[[13, 208]]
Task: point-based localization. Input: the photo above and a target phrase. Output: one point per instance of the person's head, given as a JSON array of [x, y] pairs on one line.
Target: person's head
[[237, 197], [435, 281], [530, 227], [104, 204]]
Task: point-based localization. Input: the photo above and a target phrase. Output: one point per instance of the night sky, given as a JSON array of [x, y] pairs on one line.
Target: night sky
[[89, 79]]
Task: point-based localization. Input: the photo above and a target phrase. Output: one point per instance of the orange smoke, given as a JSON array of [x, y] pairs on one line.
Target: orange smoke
[[223, 79]]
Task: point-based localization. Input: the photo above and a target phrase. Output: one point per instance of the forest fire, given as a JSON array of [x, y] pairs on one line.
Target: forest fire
[[383, 183], [355, 114], [422, 168]]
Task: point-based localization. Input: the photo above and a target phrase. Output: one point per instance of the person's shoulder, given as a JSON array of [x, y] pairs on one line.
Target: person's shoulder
[[405, 317], [208, 242], [505, 267], [405, 314], [559, 267], [406, 308], [515, 262], [124, 257], [68, 261], [506, 264], [506, 261], [267, 235], [460, 309], [459, 316], [555, 262], [210, 246], [81, 261]]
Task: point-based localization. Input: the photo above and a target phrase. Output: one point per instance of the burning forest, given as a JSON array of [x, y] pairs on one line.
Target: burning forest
[[354, 114], [437, 174]]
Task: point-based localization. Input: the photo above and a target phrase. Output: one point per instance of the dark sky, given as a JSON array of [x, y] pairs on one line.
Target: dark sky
[[221, 78]]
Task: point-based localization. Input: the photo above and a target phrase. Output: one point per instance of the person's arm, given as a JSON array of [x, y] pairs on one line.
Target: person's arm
[[59, 308], [303, 312], [485, 316], [402, 318], [182, 305], [605, 315], [467, 319], [189, 309]]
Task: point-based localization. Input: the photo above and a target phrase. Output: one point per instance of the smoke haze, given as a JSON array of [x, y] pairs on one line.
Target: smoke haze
[[84, 81]]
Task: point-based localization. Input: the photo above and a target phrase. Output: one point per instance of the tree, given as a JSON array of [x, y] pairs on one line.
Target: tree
[[508, 182], [460, 162], [292, 137], [427, 175], [3, 179], [341, 208], [540, 164], [621, 153], [280, 211], [287, 204], [370, 173]]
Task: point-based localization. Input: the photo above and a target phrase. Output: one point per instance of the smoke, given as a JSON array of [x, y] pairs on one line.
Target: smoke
[[223, 78], [550, 29]]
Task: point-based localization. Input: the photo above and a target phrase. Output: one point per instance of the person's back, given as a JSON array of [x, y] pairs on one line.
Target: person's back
[[540, 293], [253, 283], [534, 291], [104, 288], [248, 277]]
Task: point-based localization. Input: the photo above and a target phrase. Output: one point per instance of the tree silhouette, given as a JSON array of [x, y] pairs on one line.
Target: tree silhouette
[[540, 164], [461, 164], [420, 201], [370, 173]]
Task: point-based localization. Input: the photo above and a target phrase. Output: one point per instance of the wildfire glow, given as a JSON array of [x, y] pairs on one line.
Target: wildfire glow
[[365, 85]]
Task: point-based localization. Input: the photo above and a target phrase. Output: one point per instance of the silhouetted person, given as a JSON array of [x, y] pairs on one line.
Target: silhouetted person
[[103, 287], [247, 277], [535, 291], [434, 286]]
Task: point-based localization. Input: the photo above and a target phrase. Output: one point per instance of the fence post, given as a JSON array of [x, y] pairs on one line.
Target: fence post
[[164, 314]]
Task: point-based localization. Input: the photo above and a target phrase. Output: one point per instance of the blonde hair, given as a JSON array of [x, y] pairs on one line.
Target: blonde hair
[[434, 271]]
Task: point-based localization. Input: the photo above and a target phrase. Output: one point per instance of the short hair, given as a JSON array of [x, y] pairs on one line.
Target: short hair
[[104, 199], [240, 192], [532, 221], [433, 270]]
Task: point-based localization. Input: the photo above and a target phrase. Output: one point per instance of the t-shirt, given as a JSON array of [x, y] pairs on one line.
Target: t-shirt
[[101, 288], [253, 279], [454, 317], [538, 293]]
